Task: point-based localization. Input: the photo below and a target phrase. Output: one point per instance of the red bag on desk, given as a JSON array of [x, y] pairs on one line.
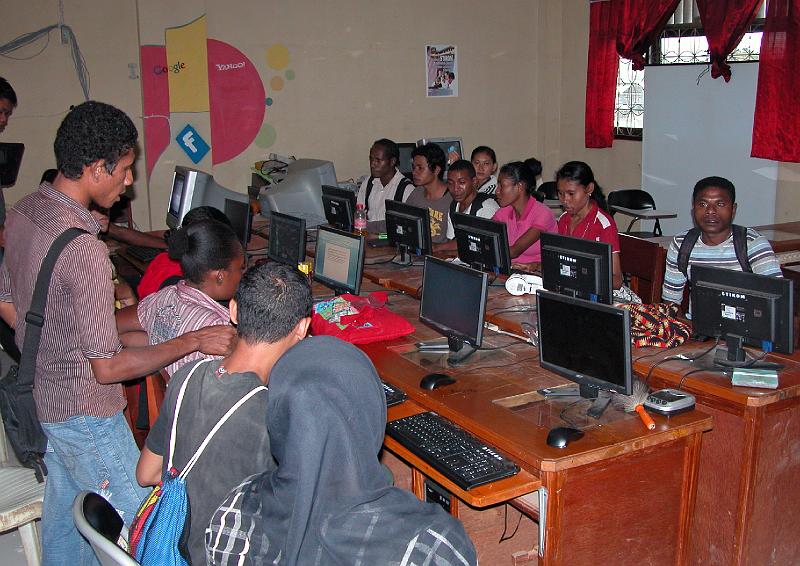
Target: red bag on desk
[[359, 320]]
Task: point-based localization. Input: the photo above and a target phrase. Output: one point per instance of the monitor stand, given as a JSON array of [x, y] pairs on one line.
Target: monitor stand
[[404, 258], [460, 350], [733, 355], [601, 398]]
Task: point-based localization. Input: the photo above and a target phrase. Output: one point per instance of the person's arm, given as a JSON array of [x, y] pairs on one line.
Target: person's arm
[[148, 469], [128, 319], [8, 313], [530, 237], [134, 339], [616, 271], [135, 237], [674, 280], [763, 260]]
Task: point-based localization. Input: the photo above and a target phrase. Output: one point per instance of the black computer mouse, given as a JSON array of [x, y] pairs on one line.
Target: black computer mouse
[[560, 436], [435, 380]]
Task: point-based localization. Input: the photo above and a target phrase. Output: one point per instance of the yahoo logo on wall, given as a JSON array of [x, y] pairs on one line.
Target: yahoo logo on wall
[[229, 66], [176, 68]]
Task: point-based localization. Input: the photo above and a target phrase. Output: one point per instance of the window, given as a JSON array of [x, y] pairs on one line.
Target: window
[[682, 41]]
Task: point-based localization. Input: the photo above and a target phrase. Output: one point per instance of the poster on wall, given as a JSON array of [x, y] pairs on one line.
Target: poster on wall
[[441, 70]]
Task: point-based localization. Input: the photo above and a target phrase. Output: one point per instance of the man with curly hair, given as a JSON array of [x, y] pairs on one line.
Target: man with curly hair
[[81, 360]]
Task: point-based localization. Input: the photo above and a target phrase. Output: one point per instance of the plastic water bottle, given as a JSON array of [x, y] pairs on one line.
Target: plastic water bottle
[[360, 220]]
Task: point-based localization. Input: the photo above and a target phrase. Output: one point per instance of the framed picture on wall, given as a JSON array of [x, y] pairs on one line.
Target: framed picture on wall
[[441, 70]]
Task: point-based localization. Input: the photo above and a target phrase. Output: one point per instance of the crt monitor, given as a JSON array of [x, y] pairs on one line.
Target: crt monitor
[[404, 162], [448, 145], [742, 308], [339, 260], [409, 229], [593, 349], [287, 239], [482, 243], [454, 303], [241, 216], [299, 193], [192, 188], [340, 206], [10, 161], [577, 267]]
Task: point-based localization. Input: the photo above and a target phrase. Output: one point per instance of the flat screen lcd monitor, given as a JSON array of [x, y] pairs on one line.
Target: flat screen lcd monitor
[[742, 308], [339, 260], [453, 303], [340, 206], [577, 267], [10, 161], [241, 216], [409, 229], [482, 243], [586, 342], [287, 239], [404, 162]]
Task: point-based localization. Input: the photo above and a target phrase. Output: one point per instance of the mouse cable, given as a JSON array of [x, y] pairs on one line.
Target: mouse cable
[[676, 357], [494, 328], [381, 262], [503, 536]]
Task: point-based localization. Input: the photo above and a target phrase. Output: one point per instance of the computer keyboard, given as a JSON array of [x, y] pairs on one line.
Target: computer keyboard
[[394, 396], [459, 456], [143, 253]]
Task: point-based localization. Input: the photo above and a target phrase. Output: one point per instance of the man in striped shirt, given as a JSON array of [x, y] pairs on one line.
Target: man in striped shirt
[[81, 361], [713, 210]]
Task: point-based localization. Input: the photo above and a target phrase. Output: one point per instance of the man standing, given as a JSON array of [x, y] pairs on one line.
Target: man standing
[[385, 182], [81, 361]]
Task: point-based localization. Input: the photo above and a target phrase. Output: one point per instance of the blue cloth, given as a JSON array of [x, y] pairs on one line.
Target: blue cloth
[[86, 453]]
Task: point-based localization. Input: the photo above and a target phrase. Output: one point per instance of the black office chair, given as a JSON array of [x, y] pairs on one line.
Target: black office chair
[[98, 521], [635, 199], [538, 195], [549, 189]]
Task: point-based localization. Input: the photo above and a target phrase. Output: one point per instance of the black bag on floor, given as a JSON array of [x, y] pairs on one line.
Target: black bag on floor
[[23, 429]]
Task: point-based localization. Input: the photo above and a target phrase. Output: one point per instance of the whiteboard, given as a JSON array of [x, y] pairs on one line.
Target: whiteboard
[[694, 130]]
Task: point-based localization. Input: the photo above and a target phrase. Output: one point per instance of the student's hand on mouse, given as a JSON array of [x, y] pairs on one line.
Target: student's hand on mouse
[[217, 340], [101, 218], [533, 266]]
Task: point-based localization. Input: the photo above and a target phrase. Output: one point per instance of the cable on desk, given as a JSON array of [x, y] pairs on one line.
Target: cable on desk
[[373, 262], [503, 536], [494, 328], [519, 361], [523, 308], [563, 414], [679, 357], [696, 370]]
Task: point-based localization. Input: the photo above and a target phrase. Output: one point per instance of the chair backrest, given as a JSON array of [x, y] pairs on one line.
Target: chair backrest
[[98, 521], [644, 262], [631, 198], [549, 189]]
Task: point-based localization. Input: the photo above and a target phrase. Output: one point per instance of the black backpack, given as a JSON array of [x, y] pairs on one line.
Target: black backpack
[[398, 193], [477, 204], [739, 245]]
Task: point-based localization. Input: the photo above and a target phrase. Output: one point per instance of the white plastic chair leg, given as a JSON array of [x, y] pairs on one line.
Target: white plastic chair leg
[[30, 543]]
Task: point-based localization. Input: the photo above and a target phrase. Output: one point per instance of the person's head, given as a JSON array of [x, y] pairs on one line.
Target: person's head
[[95, 144], [577, 187], [383, 157], [534, 165], [461, 180], [205, 213], [8, 101], [515, 183], [428, 163], [714, 205], [484, 160], [273, 303], [211, 257]]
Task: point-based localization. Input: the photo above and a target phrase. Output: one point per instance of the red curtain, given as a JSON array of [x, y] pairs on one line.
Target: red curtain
[[601, 75], [639, 24], [776, 124], [724, 23]]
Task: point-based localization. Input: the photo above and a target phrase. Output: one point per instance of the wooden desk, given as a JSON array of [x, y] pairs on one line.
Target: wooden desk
[[748, 493]]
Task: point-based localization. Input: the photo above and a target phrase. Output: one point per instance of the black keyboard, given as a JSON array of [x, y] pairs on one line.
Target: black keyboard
[[394, 396], [455, 453], [142, 253]]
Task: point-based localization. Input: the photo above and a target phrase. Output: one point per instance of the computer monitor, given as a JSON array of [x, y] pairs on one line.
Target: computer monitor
[[577, 267], [588, 343], [299, 193], [241, 216], [339, 260], [448, 145], [10, 161], [340, 206], [453, 303], [287, 239], [742, 308], [482, 243], [192, 188], [404, 162], [409, 229]]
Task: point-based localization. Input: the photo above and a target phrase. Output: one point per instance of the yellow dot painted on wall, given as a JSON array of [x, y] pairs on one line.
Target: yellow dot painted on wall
[[278, 56], [276, 83]]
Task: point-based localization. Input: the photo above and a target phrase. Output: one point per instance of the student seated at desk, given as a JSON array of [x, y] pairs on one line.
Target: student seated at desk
[[212, 260], [484, 160], [466, 199], [330, 501], [525, 217], [716, 239], [385, 182], [428, 163], [272, 310]]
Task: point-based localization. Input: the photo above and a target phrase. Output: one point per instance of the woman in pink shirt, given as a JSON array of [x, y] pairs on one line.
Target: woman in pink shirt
[[524, 216]]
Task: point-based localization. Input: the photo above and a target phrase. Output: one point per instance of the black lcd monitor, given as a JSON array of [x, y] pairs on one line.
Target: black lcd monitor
[[10, 161], [454, 303], [339, 260], [340, 206], [482, 243], [287, 239], [409, 230], [742, 308], [588, 343], [241, 216], [404, 163], [577, 267]]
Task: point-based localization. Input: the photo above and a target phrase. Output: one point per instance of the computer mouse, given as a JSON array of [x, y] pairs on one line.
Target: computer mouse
[[434, 380], [561, 436]]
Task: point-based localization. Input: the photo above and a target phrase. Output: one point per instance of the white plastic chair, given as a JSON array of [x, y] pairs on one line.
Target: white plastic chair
[[21, 499], [98, 521]]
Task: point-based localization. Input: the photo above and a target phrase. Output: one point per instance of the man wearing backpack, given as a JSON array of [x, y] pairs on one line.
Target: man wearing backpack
[[385, 182], [715, 241], [81, 361]]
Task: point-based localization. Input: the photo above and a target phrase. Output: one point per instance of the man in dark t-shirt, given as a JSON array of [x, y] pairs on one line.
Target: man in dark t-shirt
[[272, 310]]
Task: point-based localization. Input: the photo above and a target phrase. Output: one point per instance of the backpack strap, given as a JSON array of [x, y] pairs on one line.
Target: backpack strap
[[687, 245], [475, 206], [740, 247], [398, 192], [178, 404], [369, 192]]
